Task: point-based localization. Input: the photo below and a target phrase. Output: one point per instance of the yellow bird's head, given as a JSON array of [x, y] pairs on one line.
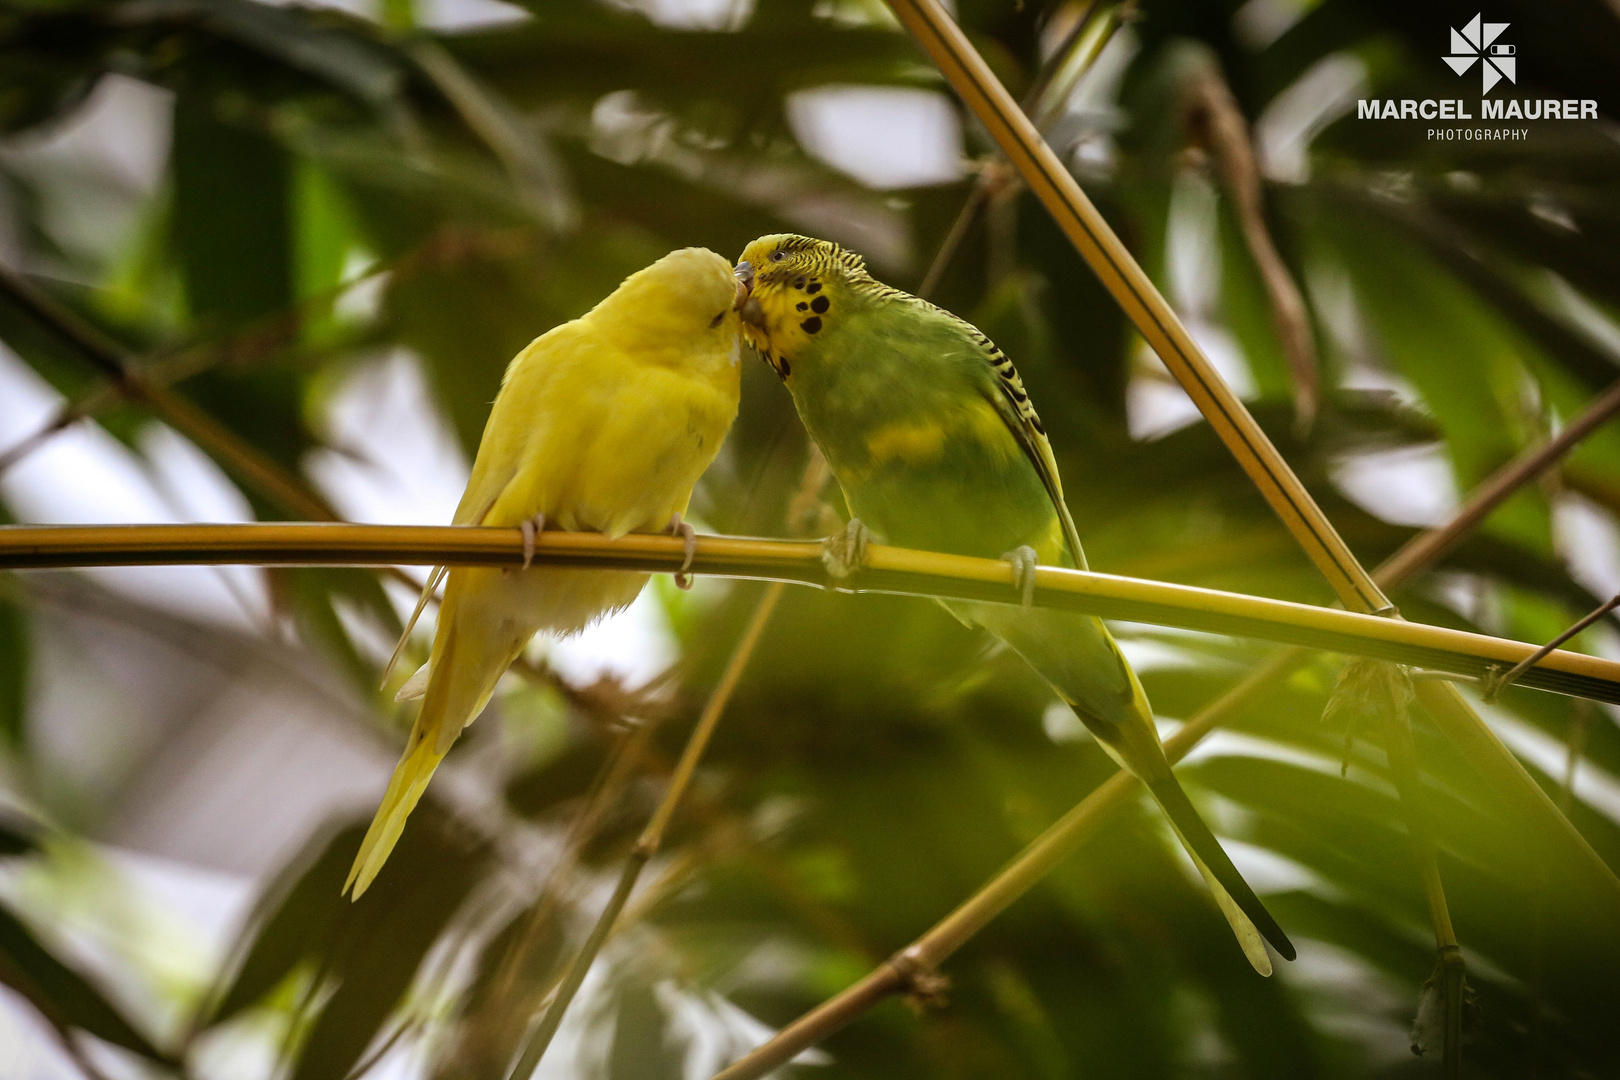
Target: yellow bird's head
[[688, 298], [792, 282]]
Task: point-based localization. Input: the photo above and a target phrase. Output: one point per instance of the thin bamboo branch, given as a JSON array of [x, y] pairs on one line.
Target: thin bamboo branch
[[889, 570], [652, 836], [1450, 969], [1216, 121], [1065, 836], [922, 957], [1494, 685], [252, 467], [149, 380], [1430, 547], [65, 417]]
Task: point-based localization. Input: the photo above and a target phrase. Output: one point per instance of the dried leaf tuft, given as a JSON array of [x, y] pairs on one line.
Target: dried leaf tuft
[[1367, 689]]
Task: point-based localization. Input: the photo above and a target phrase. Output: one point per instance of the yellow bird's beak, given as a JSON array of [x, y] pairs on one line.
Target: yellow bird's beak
[[745, 283]]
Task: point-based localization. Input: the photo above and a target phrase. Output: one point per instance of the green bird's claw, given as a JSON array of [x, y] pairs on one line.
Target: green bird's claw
[[844, 552], [1023, 563]]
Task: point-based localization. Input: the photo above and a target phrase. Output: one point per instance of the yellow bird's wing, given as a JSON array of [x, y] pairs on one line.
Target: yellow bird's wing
[[508, 434], [516, 421]]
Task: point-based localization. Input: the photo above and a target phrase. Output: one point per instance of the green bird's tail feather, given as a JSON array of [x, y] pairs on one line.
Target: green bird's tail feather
[[1245, 913], [1079, 658]]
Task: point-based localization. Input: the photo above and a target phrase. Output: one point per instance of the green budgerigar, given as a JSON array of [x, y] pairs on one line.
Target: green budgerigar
[[932, 437]]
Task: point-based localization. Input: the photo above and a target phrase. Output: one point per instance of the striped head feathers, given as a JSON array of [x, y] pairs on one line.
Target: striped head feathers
[[795, 284]]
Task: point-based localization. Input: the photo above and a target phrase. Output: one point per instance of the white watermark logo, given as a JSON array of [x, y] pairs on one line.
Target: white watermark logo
[[1477, 41]]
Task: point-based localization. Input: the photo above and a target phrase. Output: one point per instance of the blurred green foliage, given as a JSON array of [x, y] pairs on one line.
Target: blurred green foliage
[[878, 761]]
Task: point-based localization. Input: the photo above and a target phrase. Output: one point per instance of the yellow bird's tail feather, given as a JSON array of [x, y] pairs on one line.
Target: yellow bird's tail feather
[[459, 686], [405, 789]]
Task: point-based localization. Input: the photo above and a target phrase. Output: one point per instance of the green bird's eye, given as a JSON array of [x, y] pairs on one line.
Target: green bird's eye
[[778, 256]]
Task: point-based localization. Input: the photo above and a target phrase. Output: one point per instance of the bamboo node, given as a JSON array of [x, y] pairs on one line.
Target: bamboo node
[[924, 987], [844, 552], [1434, 1011], [1496, 682]]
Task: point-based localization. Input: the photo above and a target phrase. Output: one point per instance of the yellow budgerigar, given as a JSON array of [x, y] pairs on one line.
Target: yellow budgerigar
[[602, 424]]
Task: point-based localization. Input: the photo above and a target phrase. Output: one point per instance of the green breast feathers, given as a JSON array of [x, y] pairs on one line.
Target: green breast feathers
[[906, 399]]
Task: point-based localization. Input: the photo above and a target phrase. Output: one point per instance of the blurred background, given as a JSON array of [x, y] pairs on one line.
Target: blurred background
[[269, 263]]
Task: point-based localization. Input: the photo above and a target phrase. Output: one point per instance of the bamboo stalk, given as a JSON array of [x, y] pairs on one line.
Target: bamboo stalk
[[891, 570], [1449, 959], [1141, 301]]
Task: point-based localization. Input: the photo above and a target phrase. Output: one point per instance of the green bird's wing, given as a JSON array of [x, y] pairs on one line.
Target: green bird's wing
[[1011, 401]]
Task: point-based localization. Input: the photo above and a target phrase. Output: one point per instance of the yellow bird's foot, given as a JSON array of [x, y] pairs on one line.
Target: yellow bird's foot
[[677, 527], [844, 552], [529, 528], [1023, 563]]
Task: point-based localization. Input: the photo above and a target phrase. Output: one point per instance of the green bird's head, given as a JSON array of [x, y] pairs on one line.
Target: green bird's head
[[795, 282]]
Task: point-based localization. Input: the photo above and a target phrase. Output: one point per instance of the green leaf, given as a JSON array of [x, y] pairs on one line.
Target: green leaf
[[14, 668], [366, 951], [63, 996], [292, 923], [377, 943], [232, 208], [1453, 349]]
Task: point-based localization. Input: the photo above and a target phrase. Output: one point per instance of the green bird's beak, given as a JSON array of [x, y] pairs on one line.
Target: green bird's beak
[[745, 283]]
